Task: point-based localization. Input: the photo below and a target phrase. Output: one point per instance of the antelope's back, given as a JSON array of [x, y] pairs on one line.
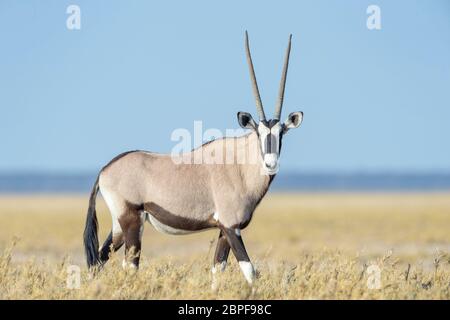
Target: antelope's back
[[142, 177]]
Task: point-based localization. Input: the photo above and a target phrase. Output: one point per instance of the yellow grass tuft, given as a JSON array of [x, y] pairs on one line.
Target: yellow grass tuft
[[304, 246]]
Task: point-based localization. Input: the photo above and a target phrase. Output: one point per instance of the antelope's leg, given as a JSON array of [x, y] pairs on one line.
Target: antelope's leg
[[116, 241], [222, 251], [117, 207], [220, 258], [132, 223], [234, 239]]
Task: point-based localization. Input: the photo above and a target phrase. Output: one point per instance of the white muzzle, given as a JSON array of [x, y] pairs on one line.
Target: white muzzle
[[271, 162]]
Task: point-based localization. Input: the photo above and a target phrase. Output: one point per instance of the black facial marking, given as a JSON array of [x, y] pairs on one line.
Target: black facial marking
[[265, 122], [269, 141], [273, 122], [280, 142], [269, 124]]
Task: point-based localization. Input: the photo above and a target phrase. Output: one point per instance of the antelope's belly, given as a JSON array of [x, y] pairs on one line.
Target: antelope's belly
[[164, 228]]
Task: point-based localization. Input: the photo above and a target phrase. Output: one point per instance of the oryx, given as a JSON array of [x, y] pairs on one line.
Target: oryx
[[179, 198]]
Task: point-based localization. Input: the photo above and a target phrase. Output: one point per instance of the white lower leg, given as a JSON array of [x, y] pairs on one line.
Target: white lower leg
[[248, 271], [218, 267], [127, 265]]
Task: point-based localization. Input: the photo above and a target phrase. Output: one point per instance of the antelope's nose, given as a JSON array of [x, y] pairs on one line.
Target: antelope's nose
[[270, 160]]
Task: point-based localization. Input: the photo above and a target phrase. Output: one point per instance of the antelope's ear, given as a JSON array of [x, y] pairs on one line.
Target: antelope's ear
[[293, 121], [246, 121]]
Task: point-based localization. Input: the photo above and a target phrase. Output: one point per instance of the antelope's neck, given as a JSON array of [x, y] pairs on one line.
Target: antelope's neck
[[255, 180]]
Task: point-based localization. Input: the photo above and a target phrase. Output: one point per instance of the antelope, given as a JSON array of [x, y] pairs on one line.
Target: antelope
[[180, 198]]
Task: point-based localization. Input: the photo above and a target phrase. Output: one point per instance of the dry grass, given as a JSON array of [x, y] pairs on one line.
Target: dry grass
[[303, 245]]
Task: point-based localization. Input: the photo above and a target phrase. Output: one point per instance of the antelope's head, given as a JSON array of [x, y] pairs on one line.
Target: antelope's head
[[270, 131]]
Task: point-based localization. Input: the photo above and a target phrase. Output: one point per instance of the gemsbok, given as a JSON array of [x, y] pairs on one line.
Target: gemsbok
[[179, 198]]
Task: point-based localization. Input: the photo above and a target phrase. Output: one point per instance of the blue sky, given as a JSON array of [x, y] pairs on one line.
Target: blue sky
[[137, 70]]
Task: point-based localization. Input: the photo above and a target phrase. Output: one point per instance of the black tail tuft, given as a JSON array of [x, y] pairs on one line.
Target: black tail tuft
[[91, 229]]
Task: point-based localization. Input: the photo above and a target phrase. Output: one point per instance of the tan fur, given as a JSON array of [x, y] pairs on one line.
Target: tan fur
[[194, 191]]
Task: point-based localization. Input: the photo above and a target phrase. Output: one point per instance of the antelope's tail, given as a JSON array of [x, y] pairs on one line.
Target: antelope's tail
[[91, 229]]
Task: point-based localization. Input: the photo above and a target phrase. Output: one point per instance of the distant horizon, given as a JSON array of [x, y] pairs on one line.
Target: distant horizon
[[25, 183], [374, 100]]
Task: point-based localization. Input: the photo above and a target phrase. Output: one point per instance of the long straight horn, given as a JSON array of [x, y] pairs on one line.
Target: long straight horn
[[259, 105], [279, 105]]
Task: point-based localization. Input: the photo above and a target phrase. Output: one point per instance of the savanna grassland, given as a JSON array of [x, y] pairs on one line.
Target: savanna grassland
[[304, 246]]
